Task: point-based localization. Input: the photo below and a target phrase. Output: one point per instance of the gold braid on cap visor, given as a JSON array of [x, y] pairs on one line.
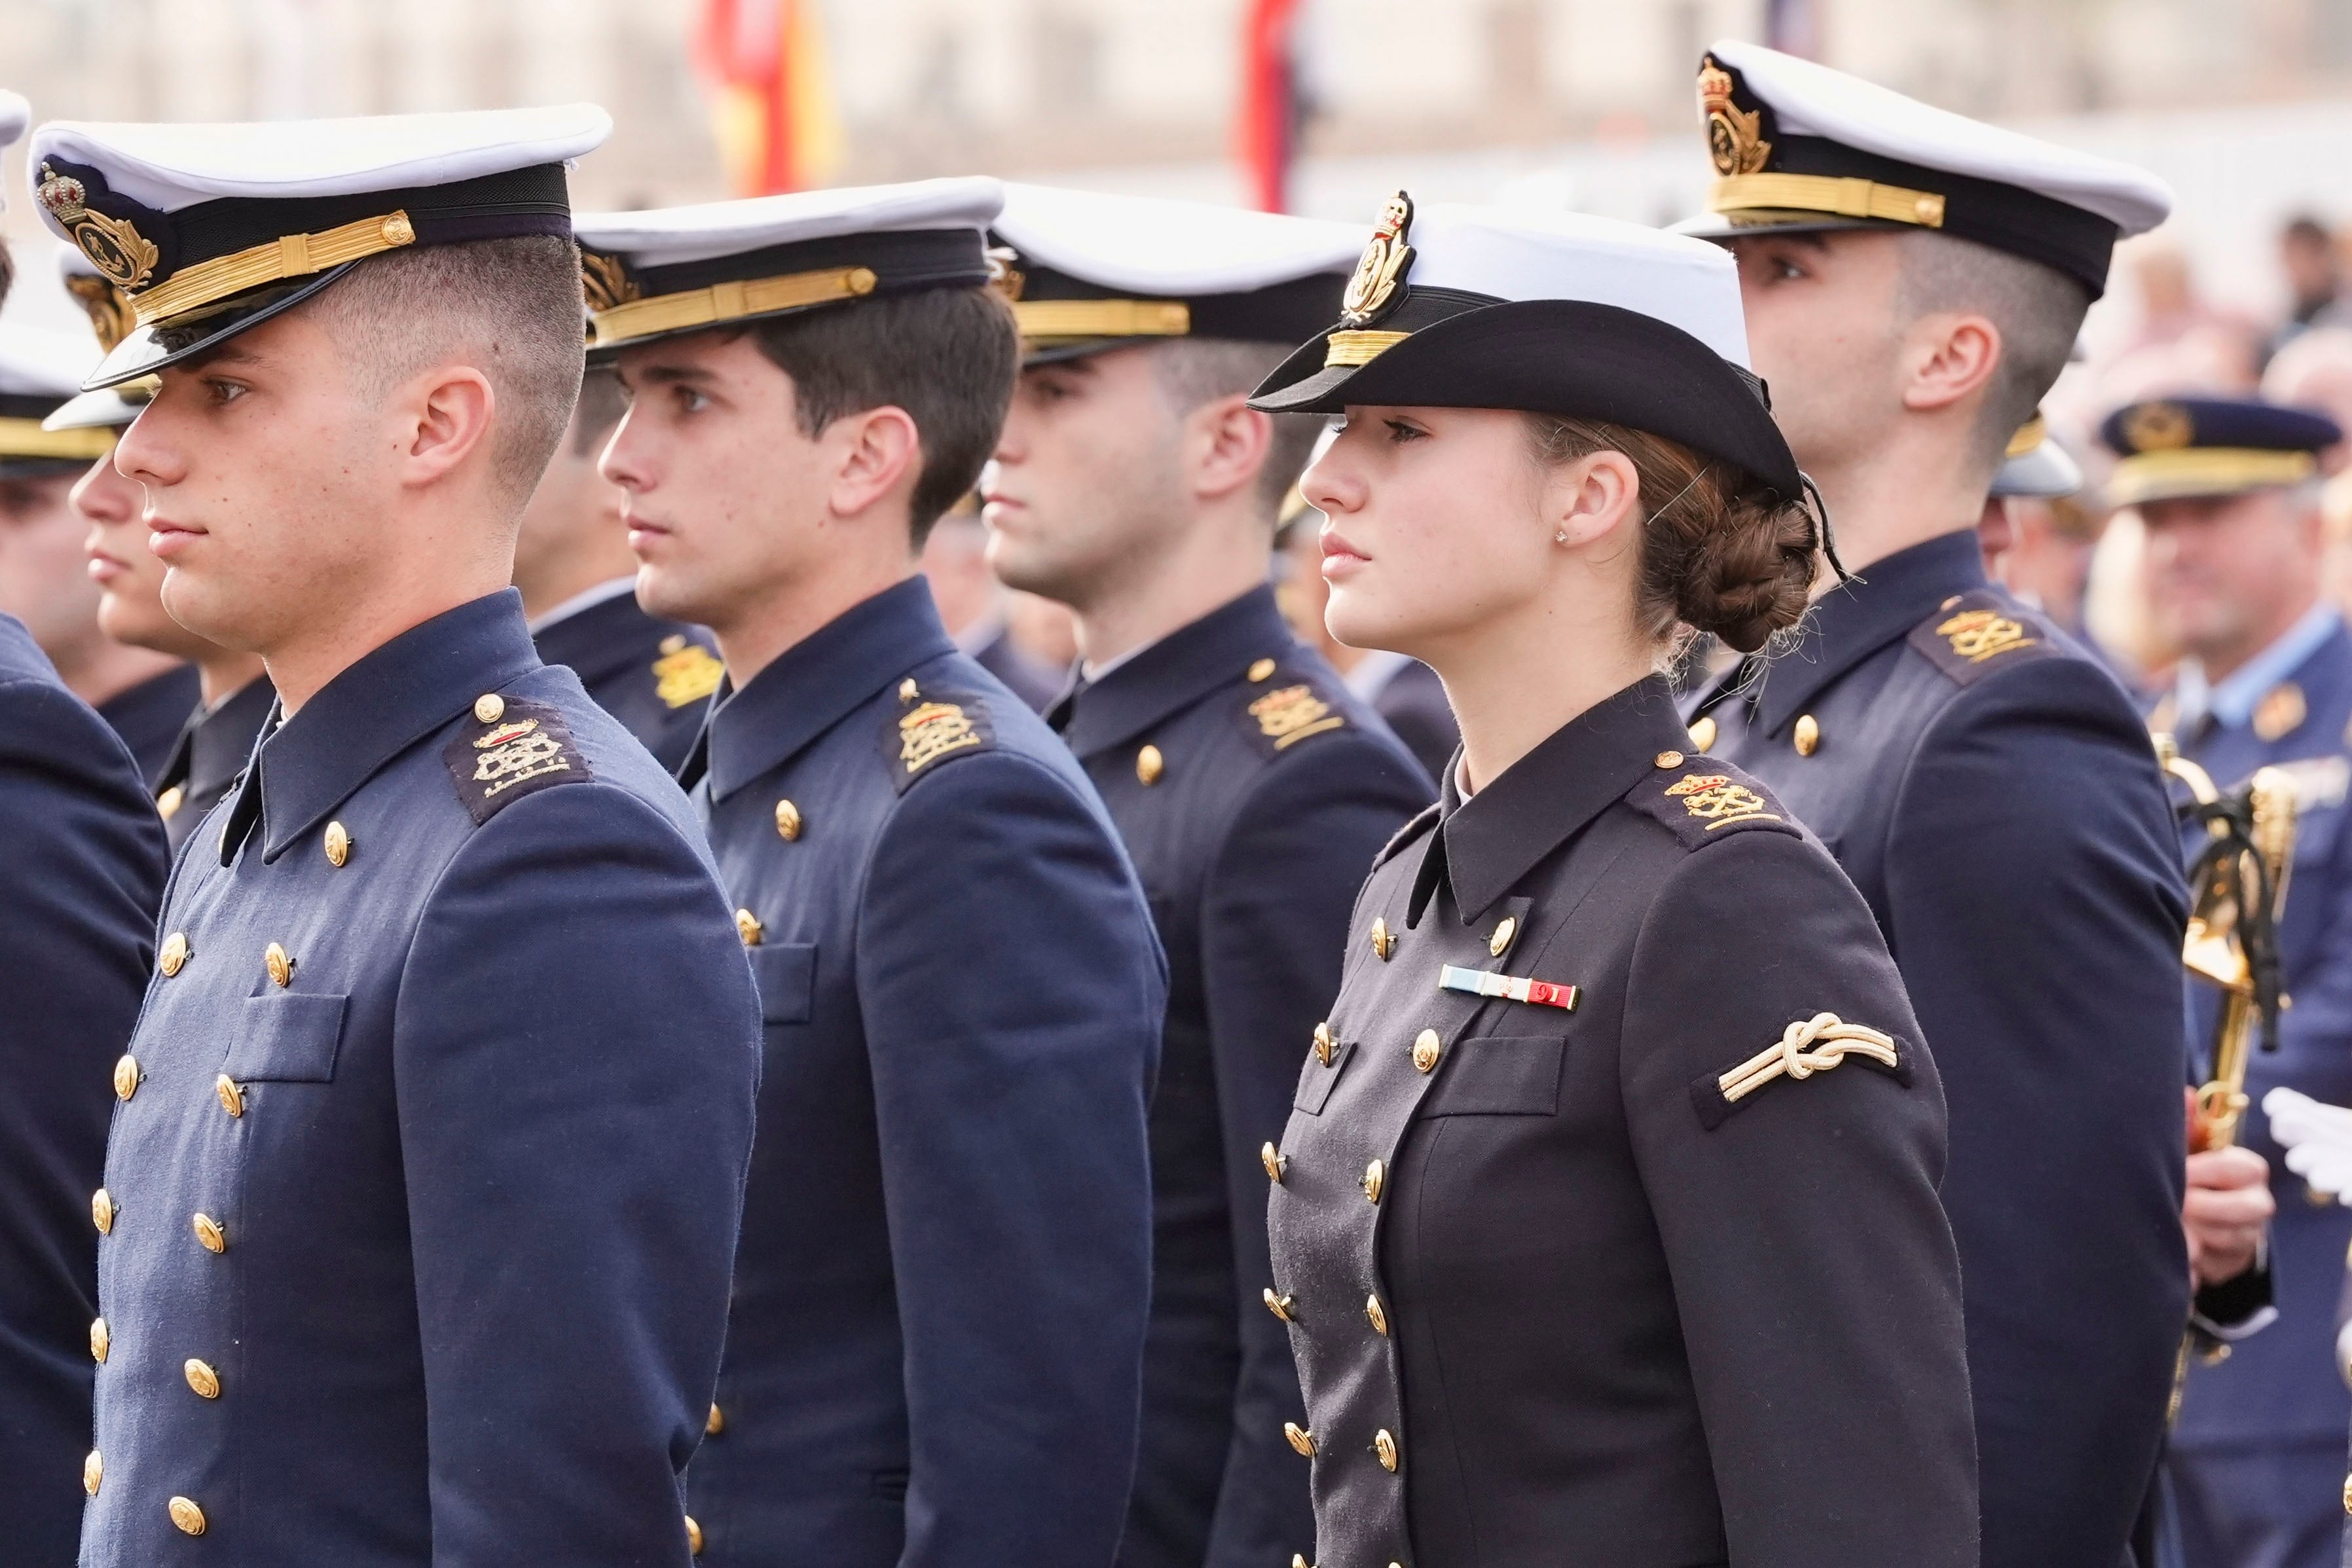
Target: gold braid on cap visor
[[1079, 321], [729, 301], [24, 438], [2205, 471], [292, 255], [1821, 193]]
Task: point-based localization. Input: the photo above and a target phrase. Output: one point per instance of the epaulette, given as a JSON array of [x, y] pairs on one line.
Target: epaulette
[[930, 728], [1278, 711], [1703, 800], [1405, 835], [1972, 634], [686, 673], [507, 748]]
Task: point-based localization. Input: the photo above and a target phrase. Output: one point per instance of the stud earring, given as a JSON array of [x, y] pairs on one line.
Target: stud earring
[[1560, 536]]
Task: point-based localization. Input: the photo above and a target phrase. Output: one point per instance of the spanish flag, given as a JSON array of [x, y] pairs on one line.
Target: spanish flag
[[1270, 108], [772, 107]]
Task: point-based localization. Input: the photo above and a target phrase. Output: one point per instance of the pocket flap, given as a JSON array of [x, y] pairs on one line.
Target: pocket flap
[[287, 1037], [786, 975], [1501, 1075], [1316, 1080]]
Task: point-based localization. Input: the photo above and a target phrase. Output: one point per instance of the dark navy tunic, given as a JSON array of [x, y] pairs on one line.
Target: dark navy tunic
[[1253, 790], [1558, 1296], [148, 715], [936, 1345], [1988, 788], [427, 1162], [655, 675], [214, 746], [81, 868]]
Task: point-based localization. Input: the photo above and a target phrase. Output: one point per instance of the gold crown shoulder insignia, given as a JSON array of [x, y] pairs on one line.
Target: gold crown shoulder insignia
[[114, 245], [1735, 136], [1383, 266]]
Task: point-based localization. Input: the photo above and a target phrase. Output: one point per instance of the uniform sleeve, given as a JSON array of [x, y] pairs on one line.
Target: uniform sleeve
[[1012, 991], [1274, 928], [1812, 1268], [2035, 904], [576, 1051]]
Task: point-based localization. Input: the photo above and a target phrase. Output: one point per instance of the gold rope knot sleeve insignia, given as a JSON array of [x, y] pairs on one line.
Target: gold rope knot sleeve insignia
[[527, 747], [1705, 804], [1807, 1046], [1976, 633], [1282, 718]]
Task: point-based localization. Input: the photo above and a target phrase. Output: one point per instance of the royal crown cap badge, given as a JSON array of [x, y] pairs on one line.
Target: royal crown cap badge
[[1373, 287], [605, 280], [1735, 136], [115, 246], [2158, 427]]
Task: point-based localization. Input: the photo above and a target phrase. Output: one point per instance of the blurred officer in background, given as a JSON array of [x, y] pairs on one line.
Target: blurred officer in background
[[975, 605]]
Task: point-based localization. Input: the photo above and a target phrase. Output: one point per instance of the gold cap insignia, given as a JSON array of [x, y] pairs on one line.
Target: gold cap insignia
[[114, 245], [605, 280], [1382, 267], [111, 315], [1733, 136], [2158, 427]]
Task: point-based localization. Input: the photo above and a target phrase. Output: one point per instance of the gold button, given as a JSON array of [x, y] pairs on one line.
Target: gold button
[[1383, 939], [2214, 1355], [2347, 1494], [1300, 1438], [788, 821], [1385, 1447], [747, 927], [167, 804], [187, 1516], [1261, 669], [202, 1378], [693, 1537], [1299, 1560], [1809, 734], [714, 1423], [1275, 1161], [1500, 942], [396, 229], [1701, 732], [489, 707], [231, 1097], [1278, 1305], [1427, 1046], [1375, 1175], [99, 1340], [281, 967], [126, 1076], [101, 1212], [907, 692], [208, 1231], [1377, 1313], [1668, 759], [338, 844], [1324, 1043], [93, 1471], [173, 956], [672, 644], [1150, 765]]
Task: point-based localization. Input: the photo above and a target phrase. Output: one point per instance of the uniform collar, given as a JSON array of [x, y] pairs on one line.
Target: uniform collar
[[819, 681], [373, 712], [599, 639], [1859, 617], [586, 599], [217, 742], [2233, 699], [1484, 845], [1182, 667]]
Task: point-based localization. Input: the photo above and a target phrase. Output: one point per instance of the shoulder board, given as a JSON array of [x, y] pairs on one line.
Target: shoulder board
[[1704, 801], [1284, 710], [924, 730], [527, 745], [1972, 635], [1423, 823], [686, 673]]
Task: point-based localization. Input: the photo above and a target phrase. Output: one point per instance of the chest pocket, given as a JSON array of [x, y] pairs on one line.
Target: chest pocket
[[1501, 1075], [1315, 1080], [287, 1037], [786, 975]]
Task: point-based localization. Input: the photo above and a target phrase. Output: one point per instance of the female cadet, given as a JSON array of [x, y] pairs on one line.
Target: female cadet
[[1605, 1220]]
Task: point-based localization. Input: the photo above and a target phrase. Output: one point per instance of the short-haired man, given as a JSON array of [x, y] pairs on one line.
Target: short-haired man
[[2228, 490], [578, 581], [235, 697], [420, 1196], [936, 1347], [144, 693], [81, 866], [1133, 483], [1913, 283]]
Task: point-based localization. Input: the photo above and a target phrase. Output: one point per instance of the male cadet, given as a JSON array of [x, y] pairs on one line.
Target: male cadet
[[81, 866], [422, 1191], [235, 694], [578, 581], [2229, 493], [936, 1347], [1134, 485], [1913, 282], [45, 582]]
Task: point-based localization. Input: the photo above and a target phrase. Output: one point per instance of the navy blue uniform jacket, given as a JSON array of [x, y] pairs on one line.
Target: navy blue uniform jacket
[[655, 675], [148, 715], [940, 1301], [1265, 792], [1990, 790], [81, 867], [428, 1156], [214, 746]]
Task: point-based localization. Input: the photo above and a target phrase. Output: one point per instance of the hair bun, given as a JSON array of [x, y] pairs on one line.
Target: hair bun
[[1750, 573]]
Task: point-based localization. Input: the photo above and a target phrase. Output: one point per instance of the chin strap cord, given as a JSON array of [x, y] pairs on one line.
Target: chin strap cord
[[1824, 539]]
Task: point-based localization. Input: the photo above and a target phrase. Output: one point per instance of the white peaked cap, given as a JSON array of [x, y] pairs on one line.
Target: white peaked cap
[[1170, 249], [676, 237]]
